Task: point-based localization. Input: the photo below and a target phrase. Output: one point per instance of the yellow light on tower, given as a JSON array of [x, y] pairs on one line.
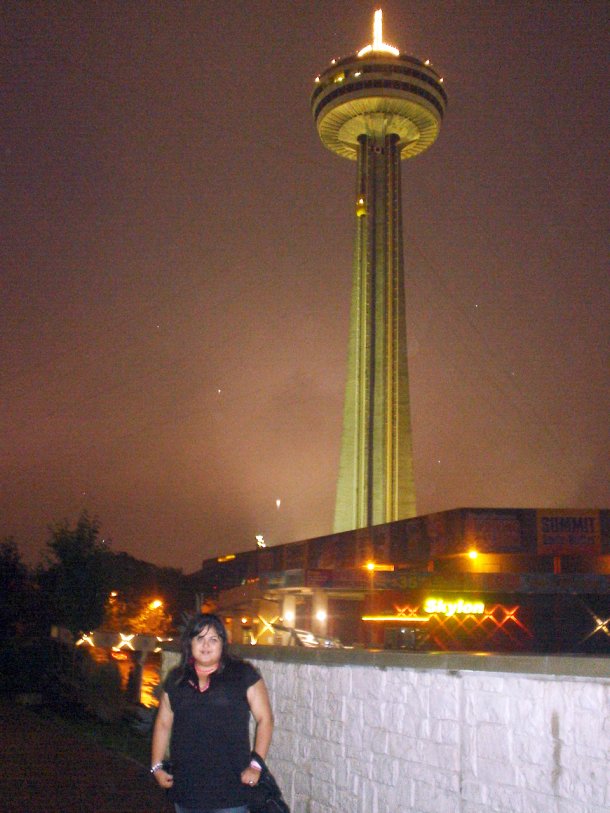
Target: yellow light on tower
[[473, 554]]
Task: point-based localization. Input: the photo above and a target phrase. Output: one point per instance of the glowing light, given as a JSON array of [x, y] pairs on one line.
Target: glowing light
[[85, 639], [154, 605], [372, 567], [473, 554], [378, 44], [427, 62], [260, 541], [601, 624], [226, 558], [113, 594], [402, 618], [244, 620], [447, 630], [321, 615], [124, 642], [267, 626], [317, 79], [278, 502], [451, 608], [289, 616]]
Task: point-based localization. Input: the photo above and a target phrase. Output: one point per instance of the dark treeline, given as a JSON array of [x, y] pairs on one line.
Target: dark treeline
[[83, 585]]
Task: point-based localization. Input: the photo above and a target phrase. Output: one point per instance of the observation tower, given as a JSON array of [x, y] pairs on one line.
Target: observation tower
[[377, 107]]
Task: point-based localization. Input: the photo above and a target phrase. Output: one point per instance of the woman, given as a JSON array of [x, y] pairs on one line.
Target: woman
[[205, 709]]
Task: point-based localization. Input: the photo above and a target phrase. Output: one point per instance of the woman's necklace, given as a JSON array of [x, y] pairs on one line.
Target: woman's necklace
[[203, 673]]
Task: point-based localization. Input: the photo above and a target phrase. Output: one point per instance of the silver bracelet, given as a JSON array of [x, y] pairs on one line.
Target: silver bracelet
[[157, 766]]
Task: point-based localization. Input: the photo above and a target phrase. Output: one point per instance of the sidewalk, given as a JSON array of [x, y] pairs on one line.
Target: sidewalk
[[44, 768]]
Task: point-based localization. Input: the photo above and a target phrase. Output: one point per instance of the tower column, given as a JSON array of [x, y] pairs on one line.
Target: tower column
[[376, 473], [377, 107]]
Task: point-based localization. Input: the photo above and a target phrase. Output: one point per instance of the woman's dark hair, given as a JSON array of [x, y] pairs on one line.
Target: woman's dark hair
[[198, 622]]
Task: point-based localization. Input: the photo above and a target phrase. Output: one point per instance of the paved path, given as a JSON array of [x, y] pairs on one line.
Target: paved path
[[44, 768]]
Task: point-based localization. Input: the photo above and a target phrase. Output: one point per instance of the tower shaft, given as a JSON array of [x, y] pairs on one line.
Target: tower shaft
[[377, 107], [375, 482]]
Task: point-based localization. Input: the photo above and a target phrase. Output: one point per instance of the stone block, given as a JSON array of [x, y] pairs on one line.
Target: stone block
[[445, 731], [385, 770], [493, 741], [495, 772], [487, 707], [377, 739]]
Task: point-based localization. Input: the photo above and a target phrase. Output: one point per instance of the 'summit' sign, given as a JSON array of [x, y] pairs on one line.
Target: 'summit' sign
[[563, 532]]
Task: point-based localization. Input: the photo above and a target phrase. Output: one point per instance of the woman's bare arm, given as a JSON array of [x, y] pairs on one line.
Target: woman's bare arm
[[160, 740], [260, 707]]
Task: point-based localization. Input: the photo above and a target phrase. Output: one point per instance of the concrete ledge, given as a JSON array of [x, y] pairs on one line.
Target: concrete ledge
[[552, 665]]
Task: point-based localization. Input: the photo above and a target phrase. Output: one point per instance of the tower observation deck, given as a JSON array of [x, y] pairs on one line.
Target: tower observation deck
[[377, 107]]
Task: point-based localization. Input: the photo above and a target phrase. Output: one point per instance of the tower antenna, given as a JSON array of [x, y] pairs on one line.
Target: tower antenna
[[378, 44]]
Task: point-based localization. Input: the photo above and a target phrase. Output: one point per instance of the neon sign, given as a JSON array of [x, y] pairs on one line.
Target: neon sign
[[450, 608]]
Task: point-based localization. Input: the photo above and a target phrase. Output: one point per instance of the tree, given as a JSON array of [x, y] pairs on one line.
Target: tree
[[14, 589], [147, 615], [78, 577]]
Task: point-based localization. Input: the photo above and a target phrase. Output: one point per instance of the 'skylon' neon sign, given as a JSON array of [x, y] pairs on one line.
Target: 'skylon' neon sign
[[450, 608]]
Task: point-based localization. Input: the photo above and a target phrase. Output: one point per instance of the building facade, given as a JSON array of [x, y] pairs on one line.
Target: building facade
[[505, 580]]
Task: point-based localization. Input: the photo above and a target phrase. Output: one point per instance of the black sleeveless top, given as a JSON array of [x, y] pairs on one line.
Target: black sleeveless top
[[210, 742]]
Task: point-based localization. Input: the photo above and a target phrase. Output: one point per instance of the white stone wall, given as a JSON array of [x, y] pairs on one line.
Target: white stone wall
[[353, 738]]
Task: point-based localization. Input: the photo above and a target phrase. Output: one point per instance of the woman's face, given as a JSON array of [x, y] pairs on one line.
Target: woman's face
[[206, 647]]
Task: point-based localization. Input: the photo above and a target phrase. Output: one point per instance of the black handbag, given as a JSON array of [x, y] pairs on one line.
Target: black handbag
[[265, 796]]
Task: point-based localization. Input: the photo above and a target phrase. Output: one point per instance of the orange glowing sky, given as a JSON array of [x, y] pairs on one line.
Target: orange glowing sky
[[176, 260]]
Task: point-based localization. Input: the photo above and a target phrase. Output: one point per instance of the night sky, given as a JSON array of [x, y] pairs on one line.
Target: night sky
[[176, 247]]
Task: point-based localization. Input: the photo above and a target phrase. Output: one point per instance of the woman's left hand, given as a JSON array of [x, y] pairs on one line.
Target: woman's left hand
[[250, 776]]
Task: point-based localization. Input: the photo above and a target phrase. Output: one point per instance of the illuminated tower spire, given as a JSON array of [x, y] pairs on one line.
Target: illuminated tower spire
[[377, 107]]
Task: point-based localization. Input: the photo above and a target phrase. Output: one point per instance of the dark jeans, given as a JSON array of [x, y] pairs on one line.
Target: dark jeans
[[240, 809]]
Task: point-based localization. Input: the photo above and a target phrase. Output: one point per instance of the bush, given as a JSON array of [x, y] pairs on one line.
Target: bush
[[101, 690], [27, 665]]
